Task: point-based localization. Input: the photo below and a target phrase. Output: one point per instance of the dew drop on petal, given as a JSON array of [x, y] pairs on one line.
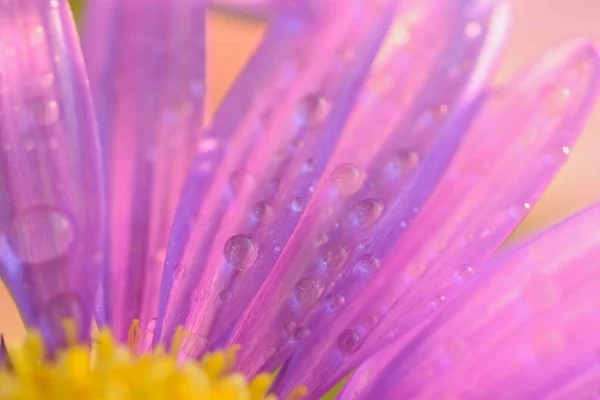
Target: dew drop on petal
[[301, 333], [237, 250], [464, 272], [347, 179], [367, 212], [313, 109], [438, 301], [40, 234], [334, 256], [308, 291], [260, 210], [368, 263], [473, 29], [178, 272], [225, 296], [555, 100], [349, 341], [290, 326], [403, 163], [298, 204]]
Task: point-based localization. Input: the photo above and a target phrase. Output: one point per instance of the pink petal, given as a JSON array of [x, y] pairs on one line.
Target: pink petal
[[404, 121], [257, 163], [51, 193], [506, 160], [146, 63], [526, 328]]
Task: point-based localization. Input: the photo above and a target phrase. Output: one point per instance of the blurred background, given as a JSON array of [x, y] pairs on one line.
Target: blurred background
[[537, 24]]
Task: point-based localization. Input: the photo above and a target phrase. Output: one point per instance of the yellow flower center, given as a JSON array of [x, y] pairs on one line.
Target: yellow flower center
[[109, 370]]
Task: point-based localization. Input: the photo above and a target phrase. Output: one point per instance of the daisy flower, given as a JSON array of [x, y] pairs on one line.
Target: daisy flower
[[338, 214]]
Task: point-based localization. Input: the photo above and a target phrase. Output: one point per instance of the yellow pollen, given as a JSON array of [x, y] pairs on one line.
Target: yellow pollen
[[110, 370]]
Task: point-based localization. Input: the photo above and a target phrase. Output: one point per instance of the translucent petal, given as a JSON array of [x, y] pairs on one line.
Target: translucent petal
[[527, 327], [51, 196], [146, 63], [257, 164], [510, 152], [404, 126]]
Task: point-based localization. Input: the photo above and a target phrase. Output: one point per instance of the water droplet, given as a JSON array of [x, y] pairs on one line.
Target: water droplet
[[349, 341], [301, 333], [338, 300], [47, 111], [403, 162], [334, 256], [298, 204], [290, 326], [28, 143], [308, 291], [225, 296], [415, 269], [260, 210], [313, 110], [309, 165], [438, 301], [277, 249], [464, 272], [240, 180], [178, 272], [367, 212], [368, 263], [40, 234], [347, 178], [370, 321], [473, 29], [566, 150], [151, 325], [237, 250], [320, 239], [364, 244]]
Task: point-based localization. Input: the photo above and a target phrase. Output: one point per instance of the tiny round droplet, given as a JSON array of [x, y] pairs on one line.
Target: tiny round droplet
[[237, 250], [260, 210], [464, 272], [46, 111], [308, 291], [349, 341], [320, 239], [298, 204], [368, 263], [338, 300], [225, 296], [313, 110], [367, 212], [334, 256], [178, 272], [555, 100], [347, 179], [290, 326], [403, 162], [40, 234], [438, 301], [301, 333]]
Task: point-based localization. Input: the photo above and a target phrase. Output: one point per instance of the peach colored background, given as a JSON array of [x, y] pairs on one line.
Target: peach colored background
[[537, 24]]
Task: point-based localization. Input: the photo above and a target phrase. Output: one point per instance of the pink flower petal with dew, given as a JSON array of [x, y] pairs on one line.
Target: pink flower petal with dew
[[526, 328], [407, 117], [51, 191], [146, 63], [253, 175], [509, 155]]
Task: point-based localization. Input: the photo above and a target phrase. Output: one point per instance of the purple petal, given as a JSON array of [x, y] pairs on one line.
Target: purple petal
[[516, 149], [527, 328], [51, 194], [146, 63], [268, 144], [364, 202]]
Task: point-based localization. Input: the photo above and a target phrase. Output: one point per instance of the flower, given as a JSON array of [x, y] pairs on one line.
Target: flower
[[358, 174]]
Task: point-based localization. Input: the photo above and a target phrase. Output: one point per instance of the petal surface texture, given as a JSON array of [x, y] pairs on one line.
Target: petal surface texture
[[452, 232], [146, 63], [51, 192], [527, 328]]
